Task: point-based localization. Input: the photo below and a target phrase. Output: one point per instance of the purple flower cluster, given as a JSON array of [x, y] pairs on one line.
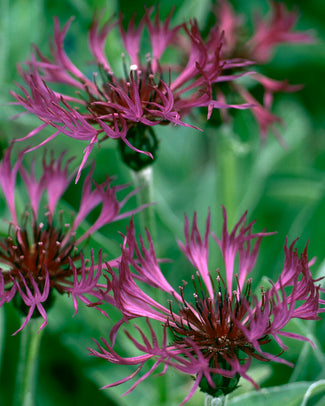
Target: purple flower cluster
[[41, 252], [215, 335], [259, 47], [152, 92]]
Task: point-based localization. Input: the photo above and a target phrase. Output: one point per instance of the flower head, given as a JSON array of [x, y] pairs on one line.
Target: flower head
[[259, 46], [41, 252], [153, 91], [216, 334]]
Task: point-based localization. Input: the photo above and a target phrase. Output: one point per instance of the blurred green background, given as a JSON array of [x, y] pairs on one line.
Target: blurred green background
[[283, 189]]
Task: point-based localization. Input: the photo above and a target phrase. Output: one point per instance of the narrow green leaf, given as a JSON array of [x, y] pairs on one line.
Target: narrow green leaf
[[292, 394], [316, 387]]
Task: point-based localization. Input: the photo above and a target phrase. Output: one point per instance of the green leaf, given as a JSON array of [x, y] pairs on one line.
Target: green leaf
[[316, 387], [191, 8], [293, 394]]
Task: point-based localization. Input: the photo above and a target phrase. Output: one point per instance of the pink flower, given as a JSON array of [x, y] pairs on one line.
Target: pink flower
[[259, 47], [278, 30], [215, 335], [41, 252], [152, 92]]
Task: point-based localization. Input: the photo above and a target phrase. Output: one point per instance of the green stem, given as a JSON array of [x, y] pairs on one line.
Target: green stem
[[211, 401], [227, 169], [27, 364], [2, 334], [5, 42], [162, 389], [143, 180]]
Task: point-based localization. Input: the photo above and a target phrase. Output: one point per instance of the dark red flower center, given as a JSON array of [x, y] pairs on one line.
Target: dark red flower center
[[140, 86], [33, 250], [213, 325]]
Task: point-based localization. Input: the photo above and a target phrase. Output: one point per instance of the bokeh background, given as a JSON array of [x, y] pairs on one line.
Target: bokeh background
[[282, 188]]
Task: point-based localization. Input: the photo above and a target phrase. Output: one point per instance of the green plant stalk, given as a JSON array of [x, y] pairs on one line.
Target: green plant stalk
[[211, 401], [143, 180], [163, 390], [227, 173], [27, 364], [5, 40], [2, 335]]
